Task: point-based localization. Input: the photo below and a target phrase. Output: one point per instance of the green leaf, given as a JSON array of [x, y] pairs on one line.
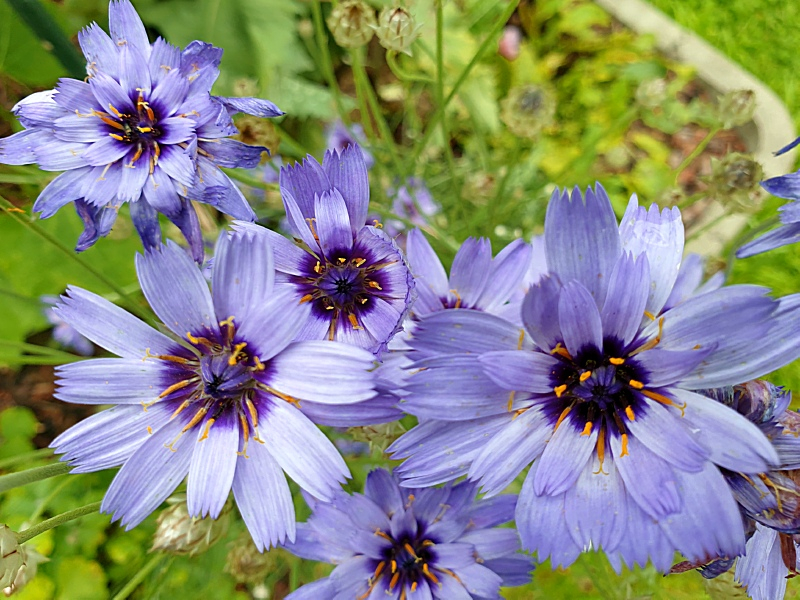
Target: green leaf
[[77, 577]]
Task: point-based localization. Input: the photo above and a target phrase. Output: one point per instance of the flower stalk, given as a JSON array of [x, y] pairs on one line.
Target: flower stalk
[[70, 515]]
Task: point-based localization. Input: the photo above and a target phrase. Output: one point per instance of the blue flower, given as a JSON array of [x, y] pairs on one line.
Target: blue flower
[[339, 136], [142, 129], [770, 559], [353, 276], [412, 543], [63, 333], [784, 186], [220, 401], [598, 392]]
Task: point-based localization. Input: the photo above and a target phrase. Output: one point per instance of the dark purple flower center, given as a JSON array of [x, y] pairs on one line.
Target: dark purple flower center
[[139, 128], [406, 561], [343, 286]]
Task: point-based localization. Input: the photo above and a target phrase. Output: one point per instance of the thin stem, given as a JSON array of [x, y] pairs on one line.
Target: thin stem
[[13, 212], [696, 152], [37, 349], [327, 63], [47, 30], [360, 74], [243, 177], [137, 579], [448, 151], [71, 515], [491, 37], [46, 500], [26, 457], [13, 480], [400, 72]]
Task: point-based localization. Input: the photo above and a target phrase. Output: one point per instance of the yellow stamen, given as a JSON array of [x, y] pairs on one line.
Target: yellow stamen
[[379, 569], [664, 400], [175, 387], [310, 222], [236, 350], [458, 298], [341, 260], [629, 413], [561, 417], [283, 396], [650, 315], [227, 322], [209, 423], [180, 409], [521, 339], [259, 365], [413, 587], [116, 137], [511, 400], [394, 566], [136, 155], [114, 110], [252, 410], [149, 430], [359, 261], [395, 578], [560, 389], [636, 384], [652, 343], [561, 351], [601, 450], [317, 268], [377, 223], [585, 375], [195, 419], [145, 129], [617, 361], [306, 298], [624, 445], [375, 285], [169, 357], [353, 321], [380, 533], [410, 550], [587, 429], [429, 575]]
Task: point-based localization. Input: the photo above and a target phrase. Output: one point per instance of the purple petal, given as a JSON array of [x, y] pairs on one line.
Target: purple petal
[[735, 443], [273, 324], [665, 367], [134, 74], [177, 164], [627, 296], [304, 182], [126, 27], [213, 465], [101, 185], [229, 153], [110, 94], [302, 450], [505, 275], [161, 195], [658, 235], [263, 498], [187, 222], [465, 331], [104, 151], [582, 240], [97, 223], [100, 51], [111, 381], [333, 223], [539, 307], [145, 220], [347, 172], [648, 479], [169, 91], [382, 489], [296, 221], [175, 130], [506, 455], [431, 279], [299, 369], [199, 63], [55, 155], [151, 474], [111, 327], [322, 588], [164, 59], [595, 508], [519, 370], [134, 176], [762, 569], [565, 456], [258, 107], [76, 128], [782, 236], [479, 580], [189, 312], [470, 270], [62, 190], [579, 319], [40, 110], [20, 148], [288, 257]]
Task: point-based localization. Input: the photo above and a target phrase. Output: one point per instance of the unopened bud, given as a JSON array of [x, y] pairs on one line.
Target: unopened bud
[[737, 108], [179, 533], [246, 564], [377, 436], [397, 29], [528, 109], [756, 400], [352, 23], [652, 93], [11, 556], [30, 565], [735, 180]]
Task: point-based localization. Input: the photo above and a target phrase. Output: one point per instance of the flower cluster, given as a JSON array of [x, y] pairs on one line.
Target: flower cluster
[[142, 129]]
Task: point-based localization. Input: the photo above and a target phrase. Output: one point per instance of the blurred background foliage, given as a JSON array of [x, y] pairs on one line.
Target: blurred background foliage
[[582, 100]]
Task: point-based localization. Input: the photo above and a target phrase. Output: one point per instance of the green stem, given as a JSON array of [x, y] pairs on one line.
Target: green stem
[[400, 72], [47, 499], [70, 515], [327, 63], [13, 212], [448, 151], [360, 75], [491, 38], [246, 179], [137, 579], [37, 349], [41, 22], [13, 480], [696, 152], [26, 457]]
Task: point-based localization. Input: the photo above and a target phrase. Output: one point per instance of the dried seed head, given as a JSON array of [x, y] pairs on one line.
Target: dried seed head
[[652, 93], [735, 180], [30, 565], [528, 109], [352, 23], [179, 533], [12, 557], [737, 108], [246, 564], [397, 30]]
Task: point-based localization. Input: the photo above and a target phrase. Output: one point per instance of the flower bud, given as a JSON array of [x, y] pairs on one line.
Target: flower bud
[[735, 180], [13, 557], [397, 29], [527, 110], [179, 533], [736, 108], [352, 23], [31, 559], [246, 564]]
